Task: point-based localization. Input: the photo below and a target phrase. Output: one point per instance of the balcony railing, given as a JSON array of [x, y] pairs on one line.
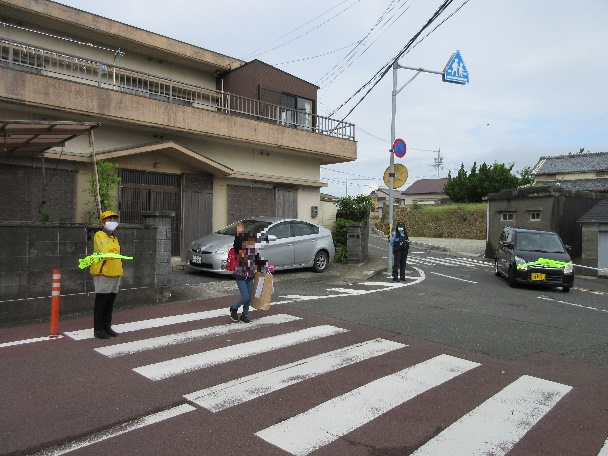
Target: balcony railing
[[65, 66]]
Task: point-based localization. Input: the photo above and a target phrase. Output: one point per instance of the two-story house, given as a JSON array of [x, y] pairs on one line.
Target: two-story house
[[209, 137]]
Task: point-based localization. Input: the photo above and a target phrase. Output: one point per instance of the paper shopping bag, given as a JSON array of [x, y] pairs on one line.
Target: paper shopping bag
[[262, 291]]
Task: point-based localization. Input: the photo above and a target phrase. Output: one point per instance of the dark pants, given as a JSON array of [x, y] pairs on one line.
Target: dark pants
[[102, 315], [399, 260]]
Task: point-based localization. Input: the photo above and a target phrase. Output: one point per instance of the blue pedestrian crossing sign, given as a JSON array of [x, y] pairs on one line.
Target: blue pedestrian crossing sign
[[456, 71]]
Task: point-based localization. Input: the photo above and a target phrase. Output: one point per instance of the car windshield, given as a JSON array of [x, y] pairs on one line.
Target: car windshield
[[251, 226], [539, 242]]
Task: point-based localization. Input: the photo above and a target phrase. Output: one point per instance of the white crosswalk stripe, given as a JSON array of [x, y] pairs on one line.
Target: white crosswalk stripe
[[500, 422], [329, 421], [232, 393], [177, 366], [152, 323], [129, 348]]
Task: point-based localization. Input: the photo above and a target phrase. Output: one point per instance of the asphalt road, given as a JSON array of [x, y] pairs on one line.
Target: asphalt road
[[451, 361]]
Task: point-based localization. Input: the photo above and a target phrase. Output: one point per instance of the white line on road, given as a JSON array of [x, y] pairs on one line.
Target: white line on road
[[385, 286], [335, 418], [350, 291], [177, 366], [572, 304], [500, 422], [129, 348], [244, 389], [118, 430], [28, 341], [604, 450], [152, 323], [450, 277]]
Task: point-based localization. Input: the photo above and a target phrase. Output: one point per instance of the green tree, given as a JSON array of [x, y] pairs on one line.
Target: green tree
[[355, 208], [472, 187], [526, 176], [109, 181]]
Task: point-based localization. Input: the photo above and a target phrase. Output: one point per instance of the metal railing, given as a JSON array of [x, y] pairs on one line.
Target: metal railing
[[65, 66]]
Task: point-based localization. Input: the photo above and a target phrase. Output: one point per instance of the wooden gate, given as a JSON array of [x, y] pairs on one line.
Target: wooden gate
[[286, 202], [146, 191], [198, 208]]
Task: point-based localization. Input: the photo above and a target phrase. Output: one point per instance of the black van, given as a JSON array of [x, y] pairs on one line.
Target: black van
[[534, 257]]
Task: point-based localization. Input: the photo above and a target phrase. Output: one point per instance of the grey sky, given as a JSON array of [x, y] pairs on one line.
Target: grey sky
[[536, 72]]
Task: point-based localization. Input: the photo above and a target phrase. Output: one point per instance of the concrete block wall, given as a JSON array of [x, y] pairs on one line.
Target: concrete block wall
[[30, 251]]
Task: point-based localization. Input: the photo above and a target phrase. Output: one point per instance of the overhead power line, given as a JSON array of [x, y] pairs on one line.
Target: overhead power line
[[257, 53], [316, 56], [374, 80], [329, 77]]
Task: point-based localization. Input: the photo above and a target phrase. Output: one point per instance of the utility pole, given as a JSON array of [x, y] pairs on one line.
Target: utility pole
[[456, 72], [438, 161]]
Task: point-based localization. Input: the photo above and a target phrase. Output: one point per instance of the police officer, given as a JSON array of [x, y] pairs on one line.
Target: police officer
[[400, 243]]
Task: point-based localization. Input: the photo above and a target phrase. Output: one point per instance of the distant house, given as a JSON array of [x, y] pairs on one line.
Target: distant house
[[595, 240], [328, 208], [426, 191], [588, 172], [544, 208], [380, 198]]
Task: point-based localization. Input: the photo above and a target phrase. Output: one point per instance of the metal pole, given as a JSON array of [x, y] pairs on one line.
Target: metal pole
[[389, 254], [95, 173]]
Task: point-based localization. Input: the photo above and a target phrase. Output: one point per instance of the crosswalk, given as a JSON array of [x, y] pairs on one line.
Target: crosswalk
[[448, 261], [493, 427]]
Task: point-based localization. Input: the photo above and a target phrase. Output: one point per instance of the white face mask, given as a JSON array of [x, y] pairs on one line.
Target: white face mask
[[111, 226], [400, 229]]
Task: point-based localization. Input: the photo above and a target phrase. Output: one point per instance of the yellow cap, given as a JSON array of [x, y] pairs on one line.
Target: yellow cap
[[106, 214]]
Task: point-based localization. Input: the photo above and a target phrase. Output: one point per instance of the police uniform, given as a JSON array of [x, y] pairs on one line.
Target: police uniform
[[401, 244]]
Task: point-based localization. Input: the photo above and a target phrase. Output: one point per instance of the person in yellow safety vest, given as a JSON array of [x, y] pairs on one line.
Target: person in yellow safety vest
[[106, 275]]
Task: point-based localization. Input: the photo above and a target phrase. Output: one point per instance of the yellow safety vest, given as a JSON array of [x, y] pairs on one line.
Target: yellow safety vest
[[109, 267]]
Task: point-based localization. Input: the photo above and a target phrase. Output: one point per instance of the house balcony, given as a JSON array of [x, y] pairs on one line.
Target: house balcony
[[108, 92]]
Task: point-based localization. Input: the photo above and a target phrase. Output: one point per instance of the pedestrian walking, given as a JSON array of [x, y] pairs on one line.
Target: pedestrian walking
[[400, 243], [106, 275], [248, 262]]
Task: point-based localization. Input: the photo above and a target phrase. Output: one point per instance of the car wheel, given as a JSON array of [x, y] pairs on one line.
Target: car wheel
[[496, 271], [321, 261], [511, 277], [565, 289]]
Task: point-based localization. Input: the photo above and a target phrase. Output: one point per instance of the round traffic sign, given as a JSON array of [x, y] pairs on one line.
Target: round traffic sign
[[401, 175], [399, 147]]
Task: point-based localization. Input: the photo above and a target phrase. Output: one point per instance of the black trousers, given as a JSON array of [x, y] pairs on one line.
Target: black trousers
[[399, 260], [102, 314]]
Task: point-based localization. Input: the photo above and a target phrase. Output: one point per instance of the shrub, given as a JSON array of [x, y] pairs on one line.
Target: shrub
[[340, 234]]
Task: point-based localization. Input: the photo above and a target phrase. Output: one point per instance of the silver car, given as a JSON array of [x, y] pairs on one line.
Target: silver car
[[284, 243]]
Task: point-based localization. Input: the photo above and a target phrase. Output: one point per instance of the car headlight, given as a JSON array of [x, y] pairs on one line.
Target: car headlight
[[521, 264], [224, 249], [568, 268]]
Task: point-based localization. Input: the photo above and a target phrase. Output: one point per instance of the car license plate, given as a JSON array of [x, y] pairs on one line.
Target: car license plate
[[197, 259], [536, 276]]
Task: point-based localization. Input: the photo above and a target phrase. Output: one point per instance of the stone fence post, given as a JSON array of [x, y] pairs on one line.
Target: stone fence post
[[162, 221], [357, 242]]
